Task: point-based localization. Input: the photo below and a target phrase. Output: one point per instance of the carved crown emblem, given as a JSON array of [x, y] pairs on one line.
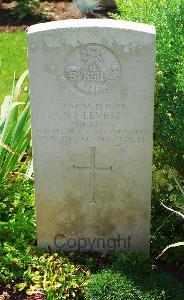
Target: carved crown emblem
[[92, 68]]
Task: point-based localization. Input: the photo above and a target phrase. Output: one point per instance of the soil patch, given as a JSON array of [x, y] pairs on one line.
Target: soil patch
[[54, 11]]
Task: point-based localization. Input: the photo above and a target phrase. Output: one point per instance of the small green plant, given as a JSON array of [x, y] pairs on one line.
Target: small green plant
[[15, 129], [26, 8], [87, 6], [57, 276]]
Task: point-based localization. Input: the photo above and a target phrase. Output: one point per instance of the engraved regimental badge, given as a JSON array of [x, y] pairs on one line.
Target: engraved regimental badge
[[92, 68]]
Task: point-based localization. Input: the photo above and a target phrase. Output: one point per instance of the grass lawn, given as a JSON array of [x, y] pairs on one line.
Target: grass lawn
[[13, 58]]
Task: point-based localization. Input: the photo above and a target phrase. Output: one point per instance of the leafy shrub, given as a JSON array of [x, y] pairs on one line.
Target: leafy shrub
[[26, 8], [21, 263], [57, 276], [168, 17], [17, 228]]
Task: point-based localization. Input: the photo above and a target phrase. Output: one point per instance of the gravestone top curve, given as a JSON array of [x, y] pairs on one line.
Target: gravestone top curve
[[99, 23]]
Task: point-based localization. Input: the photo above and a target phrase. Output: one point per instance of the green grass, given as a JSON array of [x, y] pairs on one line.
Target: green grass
[[13, 59], [118, 285], [132, 277]]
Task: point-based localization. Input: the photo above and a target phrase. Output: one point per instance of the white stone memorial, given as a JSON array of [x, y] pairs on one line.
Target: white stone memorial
[[92, 84]]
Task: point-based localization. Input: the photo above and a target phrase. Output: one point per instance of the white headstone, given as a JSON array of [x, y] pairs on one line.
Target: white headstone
[[92, 87]]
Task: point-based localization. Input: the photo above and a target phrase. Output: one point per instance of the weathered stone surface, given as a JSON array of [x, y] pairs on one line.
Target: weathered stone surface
[[92, 123]]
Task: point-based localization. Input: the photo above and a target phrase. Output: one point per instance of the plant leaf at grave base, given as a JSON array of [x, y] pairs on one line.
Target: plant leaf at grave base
[[15, 137]]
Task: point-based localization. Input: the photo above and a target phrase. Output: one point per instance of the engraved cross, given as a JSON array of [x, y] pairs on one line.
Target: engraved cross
[[92, 171]]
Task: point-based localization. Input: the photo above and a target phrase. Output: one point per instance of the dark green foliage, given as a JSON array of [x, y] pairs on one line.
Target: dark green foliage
[[168, 18], [132, 277], [26, 8], [18, 229], [166, 227], [21, 263]]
